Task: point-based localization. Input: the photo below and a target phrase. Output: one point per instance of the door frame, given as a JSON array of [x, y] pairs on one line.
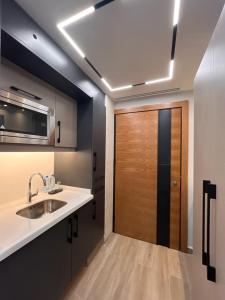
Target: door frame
[[184, 105]]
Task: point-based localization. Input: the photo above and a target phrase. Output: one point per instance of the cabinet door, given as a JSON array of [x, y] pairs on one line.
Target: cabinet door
[[82, 221], [98, 183], [97, 225], [13, 75], [66, 121], [41, 269]]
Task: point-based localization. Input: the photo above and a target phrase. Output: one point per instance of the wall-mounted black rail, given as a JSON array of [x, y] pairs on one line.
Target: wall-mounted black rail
[[209, 193]]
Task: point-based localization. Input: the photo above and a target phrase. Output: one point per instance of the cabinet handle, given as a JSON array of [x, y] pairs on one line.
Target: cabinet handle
[[209, 193], [59, 137], [204, 252], [25, 92], [76, 232], [94, 212], [95, 161], [70, 231]]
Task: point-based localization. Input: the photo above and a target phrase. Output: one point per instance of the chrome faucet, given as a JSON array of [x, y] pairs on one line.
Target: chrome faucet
[[30, 195]]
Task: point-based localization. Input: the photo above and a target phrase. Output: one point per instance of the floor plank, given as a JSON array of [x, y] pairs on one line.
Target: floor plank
[[130, 269]]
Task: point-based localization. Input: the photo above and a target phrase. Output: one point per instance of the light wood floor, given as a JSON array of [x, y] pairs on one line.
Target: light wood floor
[[128, 269]]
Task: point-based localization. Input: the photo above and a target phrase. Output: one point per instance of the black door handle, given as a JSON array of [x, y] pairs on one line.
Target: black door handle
[[76, 231], [209, 190], [59, 136], [24, 92], [95, 161], [70, 230], [204, 251], [94, 212]]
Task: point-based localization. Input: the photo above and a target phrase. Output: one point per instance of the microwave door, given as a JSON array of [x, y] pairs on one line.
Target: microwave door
[[25, 123]]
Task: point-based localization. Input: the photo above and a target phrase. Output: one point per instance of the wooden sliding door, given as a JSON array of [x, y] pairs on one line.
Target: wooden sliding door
[[151, 174], [136, 175]]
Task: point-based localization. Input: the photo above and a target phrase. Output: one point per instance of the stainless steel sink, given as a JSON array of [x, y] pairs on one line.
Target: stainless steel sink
[[39, 209]]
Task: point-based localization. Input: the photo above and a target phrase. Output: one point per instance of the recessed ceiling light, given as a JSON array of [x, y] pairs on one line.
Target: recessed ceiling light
[[71, 41], [176, 12], [171, 71], [125, 87], [106, 84], [62, 25], [72, 20], [77, 17]]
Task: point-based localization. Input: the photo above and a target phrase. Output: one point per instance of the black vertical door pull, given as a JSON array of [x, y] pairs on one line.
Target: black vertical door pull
[[95, 162], [70, 230], [205, 192], [76, 231], [209, 190], [94, 212], [59, 137]]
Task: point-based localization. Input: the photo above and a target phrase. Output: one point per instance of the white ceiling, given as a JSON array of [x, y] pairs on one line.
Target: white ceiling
[[129, 41]]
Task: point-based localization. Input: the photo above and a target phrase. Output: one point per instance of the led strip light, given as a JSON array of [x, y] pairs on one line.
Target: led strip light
[[90, 10]]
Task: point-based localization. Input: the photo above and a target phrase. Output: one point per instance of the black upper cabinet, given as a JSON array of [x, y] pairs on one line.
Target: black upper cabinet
[[41, 269]]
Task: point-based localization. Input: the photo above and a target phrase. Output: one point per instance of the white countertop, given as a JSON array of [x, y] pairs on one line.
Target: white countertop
[[17, 231]]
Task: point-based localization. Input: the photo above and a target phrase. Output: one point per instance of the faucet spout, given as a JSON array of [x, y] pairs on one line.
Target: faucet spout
[[30, 194]]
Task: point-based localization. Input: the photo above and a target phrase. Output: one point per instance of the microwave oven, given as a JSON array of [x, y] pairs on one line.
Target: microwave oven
[[23, 121]]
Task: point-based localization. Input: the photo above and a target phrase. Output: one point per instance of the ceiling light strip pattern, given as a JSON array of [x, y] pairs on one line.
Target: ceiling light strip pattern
[[61, 26]]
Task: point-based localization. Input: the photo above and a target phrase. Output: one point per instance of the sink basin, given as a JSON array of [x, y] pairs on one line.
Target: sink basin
[[40, 209]]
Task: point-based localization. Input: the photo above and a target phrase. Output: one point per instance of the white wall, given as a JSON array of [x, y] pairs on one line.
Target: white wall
[[16, 168], [110, 149]]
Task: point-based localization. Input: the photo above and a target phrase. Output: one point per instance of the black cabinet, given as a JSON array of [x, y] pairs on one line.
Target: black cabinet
[[80, 242], [98, 180], [41, 269], [85, 234], [66, 121]]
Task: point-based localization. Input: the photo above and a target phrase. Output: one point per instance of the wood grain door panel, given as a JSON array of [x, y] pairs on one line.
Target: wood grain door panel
[[175, 192], [136, 175], [136, 168]]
